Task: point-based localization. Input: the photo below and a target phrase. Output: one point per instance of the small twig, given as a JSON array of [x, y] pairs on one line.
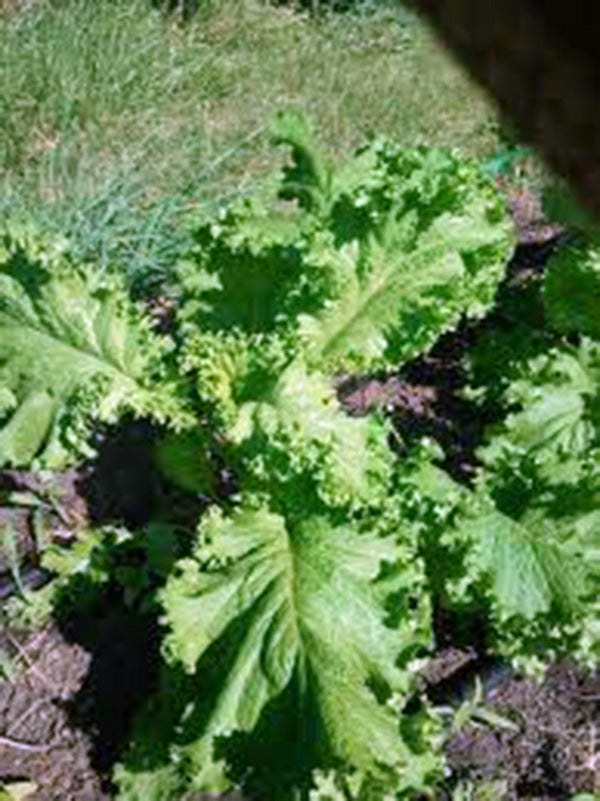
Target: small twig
[[14, 726], [25, 746], [30, 663], [31, 645]]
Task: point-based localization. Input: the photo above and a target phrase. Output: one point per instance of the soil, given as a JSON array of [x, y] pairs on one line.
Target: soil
[[38, 740], [553, 750], [65, 714]]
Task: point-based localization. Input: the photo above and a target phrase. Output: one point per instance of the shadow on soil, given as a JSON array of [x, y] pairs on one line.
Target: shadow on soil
[[115, 621], [124, 648]]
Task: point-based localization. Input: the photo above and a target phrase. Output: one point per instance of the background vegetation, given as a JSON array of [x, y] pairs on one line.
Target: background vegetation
[[115, 118]]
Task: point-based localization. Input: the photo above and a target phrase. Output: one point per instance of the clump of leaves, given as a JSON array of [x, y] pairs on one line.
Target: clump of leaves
[[540, 480], [293, 625], [74, 351]]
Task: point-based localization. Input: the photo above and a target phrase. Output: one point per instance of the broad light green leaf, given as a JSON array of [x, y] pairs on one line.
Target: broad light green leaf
[[302, 601], [411, 281], [531, 570], [72, 347], [375, 259], [356, 330]]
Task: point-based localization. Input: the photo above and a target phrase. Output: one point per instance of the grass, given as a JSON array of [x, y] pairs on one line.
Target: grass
[[115, 119]]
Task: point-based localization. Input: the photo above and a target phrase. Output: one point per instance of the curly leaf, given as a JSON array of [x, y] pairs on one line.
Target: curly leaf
[[355, 331], [375, 260], [72, 349], [289, 608], [428, 243], [307, 180], [245, 270], [300, 427], [288, 422], [555, 426]]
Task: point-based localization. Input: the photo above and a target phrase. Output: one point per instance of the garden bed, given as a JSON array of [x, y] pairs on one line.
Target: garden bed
[[65, 713]]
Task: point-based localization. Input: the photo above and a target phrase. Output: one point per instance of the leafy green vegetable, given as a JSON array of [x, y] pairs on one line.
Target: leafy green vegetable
[[291, 608], [73, 350], [335, 269], [293, 626], [555, 426], [309, 619], [535, 537], [303, 428], [531, 570], [390, 250]]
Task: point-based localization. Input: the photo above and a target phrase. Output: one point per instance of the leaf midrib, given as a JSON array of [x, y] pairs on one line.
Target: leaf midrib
[[379, 284], [379, 287]]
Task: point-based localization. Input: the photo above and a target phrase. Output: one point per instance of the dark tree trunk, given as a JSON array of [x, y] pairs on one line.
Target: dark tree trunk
[[540, 62]]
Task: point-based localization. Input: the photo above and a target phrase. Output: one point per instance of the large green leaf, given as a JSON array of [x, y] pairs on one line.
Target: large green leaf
[[531, 568], [374, 261], [413, 276], [355, 331], [302, 606], [72, 349], [244, 270]]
